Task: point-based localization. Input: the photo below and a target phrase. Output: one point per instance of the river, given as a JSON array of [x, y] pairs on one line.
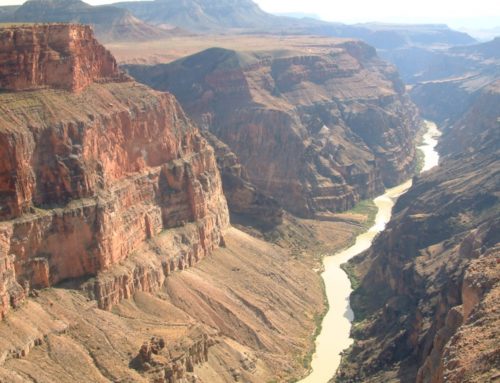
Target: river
[[336, 325]]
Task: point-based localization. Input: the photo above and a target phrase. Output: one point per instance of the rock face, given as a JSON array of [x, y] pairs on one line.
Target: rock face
[[317, 129], [55, 56], [88, 179], [427, 300], [248, 297], [245, 202], [424, 63]]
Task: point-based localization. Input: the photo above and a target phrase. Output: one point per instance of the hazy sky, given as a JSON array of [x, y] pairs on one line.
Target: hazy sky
[[456, 13]]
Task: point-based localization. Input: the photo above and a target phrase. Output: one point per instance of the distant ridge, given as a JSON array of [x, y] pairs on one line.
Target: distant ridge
[[109, 22], [223, 15], [202, 15]]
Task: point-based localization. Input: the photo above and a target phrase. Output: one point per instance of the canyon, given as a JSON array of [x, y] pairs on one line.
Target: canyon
[[117, 260], [167, 200], [335, 329]]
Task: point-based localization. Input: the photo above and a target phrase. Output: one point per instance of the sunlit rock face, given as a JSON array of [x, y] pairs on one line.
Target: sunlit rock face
[[317, 128], [58, 56], [95, 168]]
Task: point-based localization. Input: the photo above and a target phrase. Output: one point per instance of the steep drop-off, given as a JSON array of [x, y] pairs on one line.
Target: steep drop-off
[[55, 56], [318, 127], [86, 178], [247, 205], [427, 305]]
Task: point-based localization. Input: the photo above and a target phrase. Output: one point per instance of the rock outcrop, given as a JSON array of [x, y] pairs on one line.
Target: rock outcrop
[[248, 297], [173, 363], [317, 128], [56, 55], [426, 304], [90, 178]]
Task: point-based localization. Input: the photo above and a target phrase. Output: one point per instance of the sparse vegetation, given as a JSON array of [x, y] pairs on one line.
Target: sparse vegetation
[[349, 269], [367, 208]]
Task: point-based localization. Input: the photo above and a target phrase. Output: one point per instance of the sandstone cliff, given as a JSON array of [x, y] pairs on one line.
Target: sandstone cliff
[[56, 56], [427, 306], [90, 178], [317, 127]]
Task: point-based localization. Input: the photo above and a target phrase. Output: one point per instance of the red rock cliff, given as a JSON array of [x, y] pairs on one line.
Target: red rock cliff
[[92, 179], [56, 55], [316, 127]]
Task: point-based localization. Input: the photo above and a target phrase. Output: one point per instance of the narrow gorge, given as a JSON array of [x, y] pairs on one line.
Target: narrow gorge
[[427, 301]]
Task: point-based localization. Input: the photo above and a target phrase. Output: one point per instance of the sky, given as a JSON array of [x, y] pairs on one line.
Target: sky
[[456, 13], [485, 12]]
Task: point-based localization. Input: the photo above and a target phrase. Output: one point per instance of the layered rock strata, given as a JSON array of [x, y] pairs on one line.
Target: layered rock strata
[[56, 55], [91, 177], [246, 203], [248, 297], [428, 299], [317, 128]]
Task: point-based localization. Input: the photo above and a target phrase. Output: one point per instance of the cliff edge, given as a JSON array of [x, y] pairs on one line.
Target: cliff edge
[[58, 56], [92, 173]]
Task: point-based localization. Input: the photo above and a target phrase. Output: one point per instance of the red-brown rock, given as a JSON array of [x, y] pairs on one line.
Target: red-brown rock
[[87, 179], [317, 127], [56, 55]]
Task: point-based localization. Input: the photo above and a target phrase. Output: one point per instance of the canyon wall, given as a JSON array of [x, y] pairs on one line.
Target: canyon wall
[[427, 305], [96, 173], [55, 55], [246, 203], [318, 127]]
